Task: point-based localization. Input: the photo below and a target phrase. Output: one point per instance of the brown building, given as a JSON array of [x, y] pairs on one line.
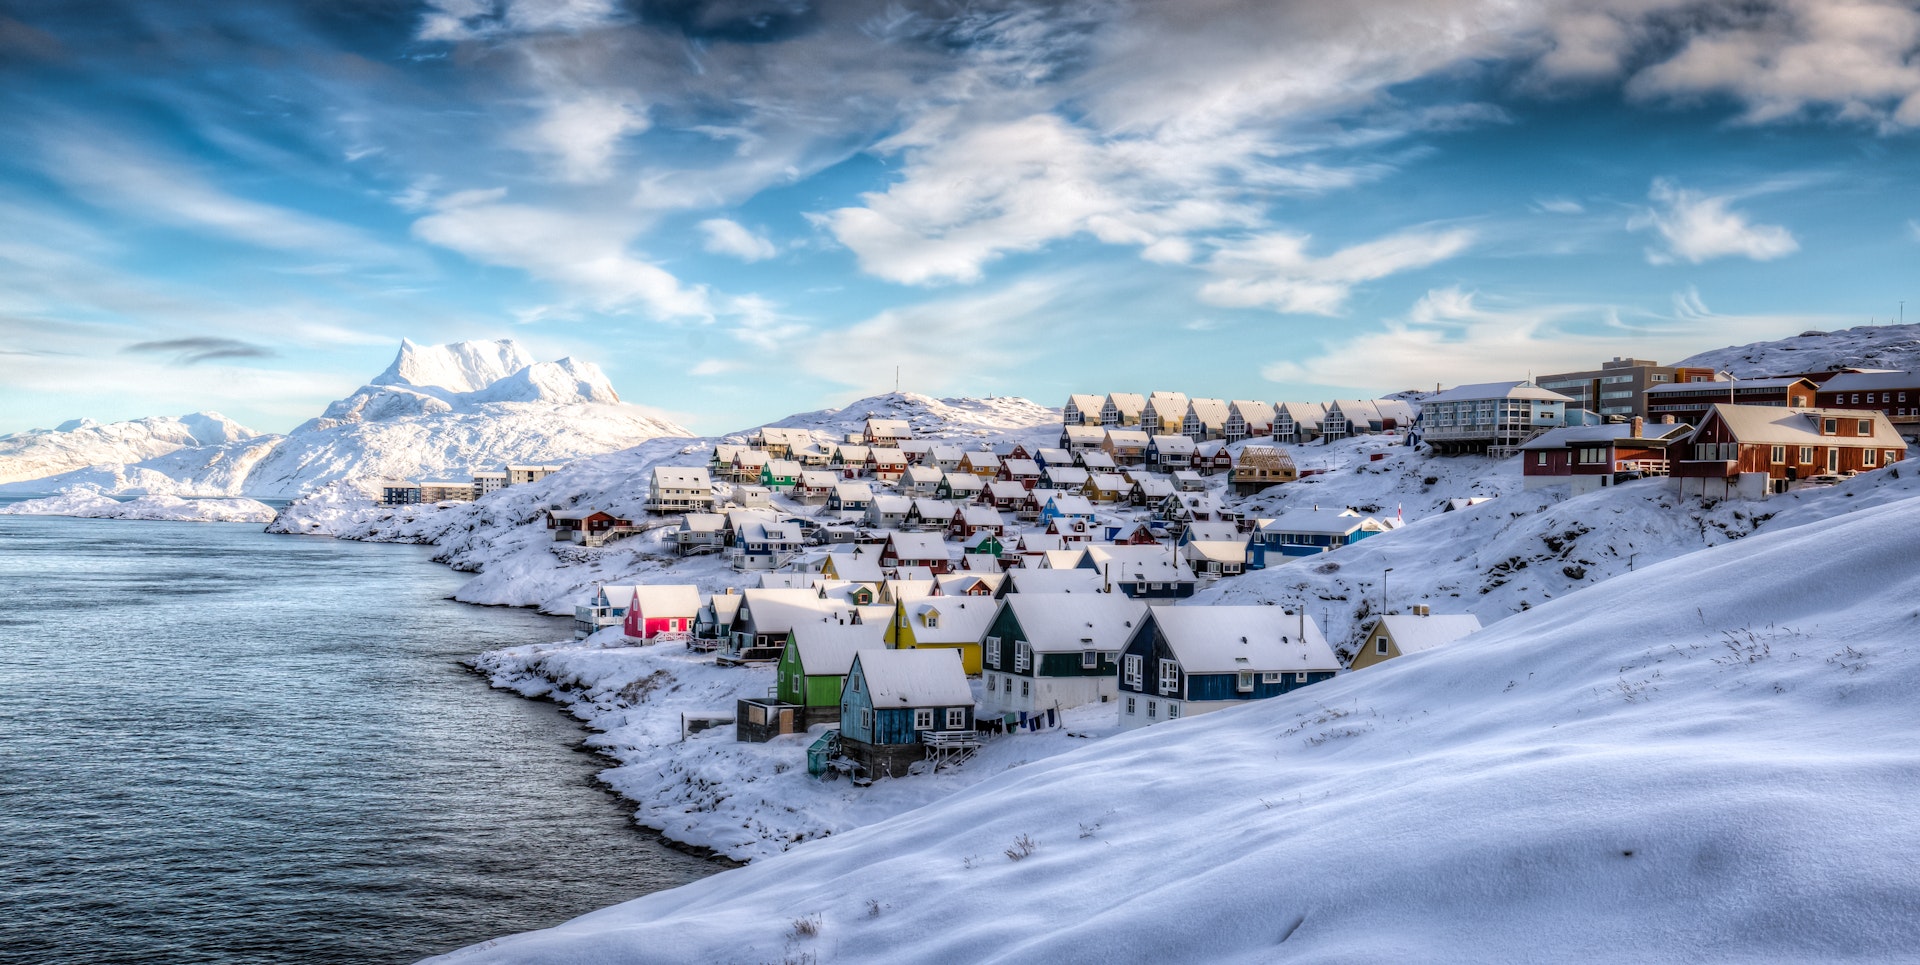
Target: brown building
[[1896, 394], [1616, 391], [1689, 402], [1752, 450]]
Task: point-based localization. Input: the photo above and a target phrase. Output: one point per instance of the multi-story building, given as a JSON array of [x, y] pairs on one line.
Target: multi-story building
[[1617, 390], [1490, 417], [521, 475], [1689, 402]]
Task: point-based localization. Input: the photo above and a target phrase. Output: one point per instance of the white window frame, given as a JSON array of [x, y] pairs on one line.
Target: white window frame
[[1869, 457], [1022, 656], [1300, 677], [1169, 677], [1806, 455], [1863, 427], [866, 719], [923, 719], [1131, 708], [1243, 682], [1153, 710], [1779, 455], [1089, 660], [1133, 673], [956, 718], [1026, 688], [1380, 646], [1173, 709], [993, 683], [992, 651]]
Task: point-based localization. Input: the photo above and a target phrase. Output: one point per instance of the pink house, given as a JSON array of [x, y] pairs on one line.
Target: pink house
[[662, 611]]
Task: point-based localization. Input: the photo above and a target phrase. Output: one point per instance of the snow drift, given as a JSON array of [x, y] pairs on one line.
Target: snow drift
[[1707, 759]]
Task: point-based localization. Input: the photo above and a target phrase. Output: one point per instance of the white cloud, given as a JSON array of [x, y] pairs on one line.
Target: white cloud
[[1558, 206], [582, 132], [1450, 337], [1697, 228], [587, 258], [979, 334], [1275, 271], [725, 237]]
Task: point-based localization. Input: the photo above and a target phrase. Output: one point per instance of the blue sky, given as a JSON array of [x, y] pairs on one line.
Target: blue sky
[[745, 208]]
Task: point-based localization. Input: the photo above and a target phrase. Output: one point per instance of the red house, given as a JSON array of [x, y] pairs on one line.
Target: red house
[[662, 611], [1749, 451], [1591, 457]]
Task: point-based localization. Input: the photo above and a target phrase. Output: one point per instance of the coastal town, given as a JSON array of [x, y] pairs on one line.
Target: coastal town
[[916, 598]]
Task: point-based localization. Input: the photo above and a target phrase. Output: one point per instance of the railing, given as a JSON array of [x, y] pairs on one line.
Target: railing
[[950, 738]]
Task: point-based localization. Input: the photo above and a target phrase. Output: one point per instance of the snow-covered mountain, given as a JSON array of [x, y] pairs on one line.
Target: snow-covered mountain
[[1707, 759], [1863, 346], [38, 453], [439, 410]]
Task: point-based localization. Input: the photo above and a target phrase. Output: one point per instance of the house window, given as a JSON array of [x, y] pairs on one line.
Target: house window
[[956, 718], [1022, 655], [1133, 670], [993, 683], [1540, 459], [1026, 688], [992, 652], [1089, 659], [923, 720], [866, 719], [1245, 682], [1130, 707], [1169, 676], [1173, 710], [933, 618], [1779, 454], [1152, 710], [1868, 456], [1829, 427], [1806, 454], [1270, 677], [1863, 428], [856, 685], [1856, 398], [1300, 677], [1380, 646]]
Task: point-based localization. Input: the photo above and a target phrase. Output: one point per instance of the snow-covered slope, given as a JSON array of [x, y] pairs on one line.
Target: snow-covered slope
[[91, 504], [38, 453], [1708, 759], [1863, 346], [436, 411]]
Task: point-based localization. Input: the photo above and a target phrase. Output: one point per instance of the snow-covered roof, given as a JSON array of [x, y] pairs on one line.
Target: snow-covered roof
[[1412, 633], [915, 678], [918, 546], [667, 600], [1871, 381], [1063, 476], [1075, 622], [783, 467], [977, 515], [1085, 434], [1243, 639], [1127, 403], [891, 427], [1217, 550], [1491, 390], [1210, 412], [775, 610], [1006, 489], [856, 567], [923, 474], [703, 522], [1085, 402], [1071, 505], [964, 480], [1567, 436], [886, 505], [853, 492], [1127, 437], [1335, 522], [828, 649], [961, 619], [1107, 481], [819, 478], [1172, 445], [1213, 530], [1775, 425], [1054, 581], [1096, 461], [682, 477], [1021, 467], [1131, 564], [887, 456]]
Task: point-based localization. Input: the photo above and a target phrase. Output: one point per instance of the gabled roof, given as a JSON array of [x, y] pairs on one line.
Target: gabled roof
[[1085, 433], [1075, 622], [828, 649], [1217, 550], [682, 477], [1072, 505], [962, 619], [1167, 404], [1064, 476], [1127, 403], [848, 454], [783, 467], [724, 605], [915, 678], [1131, 564], [1096, 461], [1323, 522], [923, 474], [977, 515], [787, 534], [819, 478], [776, 610], [978, 458], [1569, 436], [1107, 481], [1086, 402], [1006, 488], [853, 491], [957, 584], [1871, 381], [1054, 457], [1774, 425], [1243, 639], [918, 546], [1252, 411], [1412, 633], [945, 453], [674, 600], [703, 522], [897, 427], [786, 437], [1171, 444], [1021, 467], [1493, 390], [1053, 582], [1214, 530], [1302, 413], [1210, 412], [1127, 437], [620, 596], [965, 480], [885, 505]]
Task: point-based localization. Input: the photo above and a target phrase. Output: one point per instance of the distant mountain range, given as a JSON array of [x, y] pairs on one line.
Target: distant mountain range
[[437, 410]]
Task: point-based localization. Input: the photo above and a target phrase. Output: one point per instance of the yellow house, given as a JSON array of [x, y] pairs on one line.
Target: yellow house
[[1402, 633], [952, 622]]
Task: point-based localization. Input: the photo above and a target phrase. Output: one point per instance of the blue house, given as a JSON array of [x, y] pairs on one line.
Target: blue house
[[1063, 506], [1182, 661], [897, 706], [1142, 572], [1305, 532]]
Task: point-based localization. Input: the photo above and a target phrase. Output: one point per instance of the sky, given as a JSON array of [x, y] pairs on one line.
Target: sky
[[746, 208]]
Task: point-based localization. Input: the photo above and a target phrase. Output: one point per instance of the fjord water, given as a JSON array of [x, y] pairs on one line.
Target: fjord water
[[222, 746]]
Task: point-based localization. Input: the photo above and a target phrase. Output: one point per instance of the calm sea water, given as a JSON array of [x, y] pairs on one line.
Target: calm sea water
[[222, 746]]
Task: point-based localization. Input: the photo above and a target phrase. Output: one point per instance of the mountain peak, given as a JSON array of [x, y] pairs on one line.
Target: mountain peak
[[456, 366]]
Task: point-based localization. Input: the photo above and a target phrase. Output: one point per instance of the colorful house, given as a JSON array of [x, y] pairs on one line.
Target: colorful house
[[808, 679], [897, 706], [1398, 634], [662, 612], [940, 622], [1052, 651], [606, 608], [1306, 532], [1187, 660]]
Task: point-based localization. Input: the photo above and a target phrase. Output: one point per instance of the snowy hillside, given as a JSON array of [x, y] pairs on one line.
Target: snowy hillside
[[436, 411], [1863, 346], [1708, 759], [38, 453], [89, 504], [502, 539]]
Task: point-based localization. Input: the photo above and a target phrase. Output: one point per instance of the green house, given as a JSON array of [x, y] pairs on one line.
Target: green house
[[815, 664]]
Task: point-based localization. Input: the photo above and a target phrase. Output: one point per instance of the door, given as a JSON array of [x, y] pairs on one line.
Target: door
[[1833, 459]]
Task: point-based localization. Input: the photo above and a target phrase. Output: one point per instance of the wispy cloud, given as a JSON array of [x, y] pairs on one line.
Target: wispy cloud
[[726, 237], [1275, 271], [204, 348], [1697, 227], [978, 334]]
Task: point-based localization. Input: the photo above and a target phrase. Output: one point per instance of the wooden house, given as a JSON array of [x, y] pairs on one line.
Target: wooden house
[[662, 612], [885, 433], [960, 485], [852, 462], [897, 705], [765, 617], [860, 566], [1012, 450], [1261, 467], [1049, 580], [1026, 472], [954, 623], [1187, 660], [1188, 481], [886, 463], [1298, 423], [1106, 488], [969, 519], [1071, 478], [1074, 529], [1212, 458], [1397, 634], [1141, 572], [1097, 460], [916, 451], [981, 463], [720, 463], [766, 545], [1751, 451], [588, 526], [928, 513], [783, 443], [915, 549], [1211, 559], [1248, 419], [607, 607], [1065, 506], [1126, 447], [748, 465], [1082, 438], [1052, 651], [714, 623], [1121, 409], [780, 475], [1163, 413], [1005, 496], [807, 680], [889, 512], [1205, 419], [1054, 457], [920, 481], [1081, 410], [850, 500], [815, 485], [1166, 453], [1307, 532], [984, 542], [1587, 458], [679, 489], [944, 458], [700, 533], [1150, 490], [1182, 508]]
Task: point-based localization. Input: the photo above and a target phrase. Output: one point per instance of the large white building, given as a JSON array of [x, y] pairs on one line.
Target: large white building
[[1490, 417]]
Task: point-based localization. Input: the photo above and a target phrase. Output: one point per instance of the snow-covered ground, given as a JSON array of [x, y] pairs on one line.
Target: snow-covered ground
[[443, 410], [1708, 759], [1863, 346], [94, 505], [39, 453]]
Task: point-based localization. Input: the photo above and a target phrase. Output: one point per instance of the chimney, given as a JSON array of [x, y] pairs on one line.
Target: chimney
[[1667, 420], [1639, 427]]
